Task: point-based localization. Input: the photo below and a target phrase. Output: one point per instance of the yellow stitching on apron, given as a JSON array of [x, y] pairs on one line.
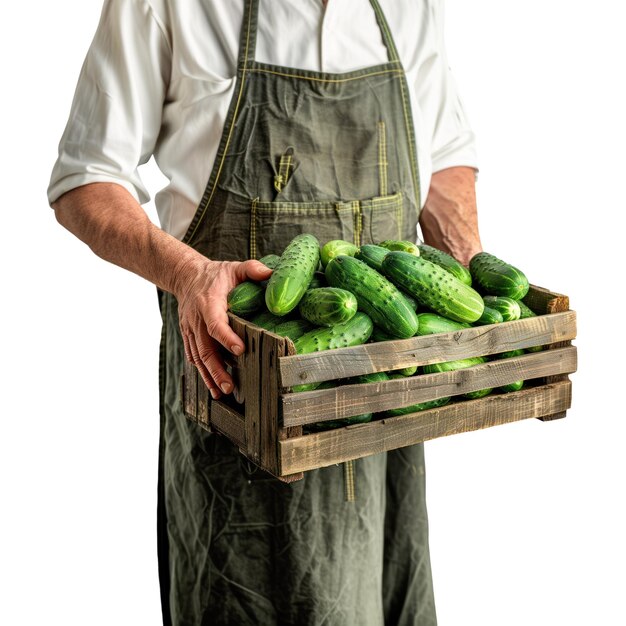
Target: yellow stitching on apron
[[253, 229], [326, 80], [410, 140], [382, 158], [348, 481], [282, 178], [230, 132]]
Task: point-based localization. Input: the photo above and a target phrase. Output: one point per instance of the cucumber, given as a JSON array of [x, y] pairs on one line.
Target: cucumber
[[378, 334], [266, 320], [449, 366], [327, 306], [403, 246], [372, 255], [335, 248], [474, 395], [406, 371], [292, 328], [414, 408], [497, 277], [376, 296], [508, 308], [249, 296], [509, 354], [433, 287], [489, 316], [448, 262], [525, 310], [351, 333], [375, 377], [431, 324], [291, 277], [411, 301]]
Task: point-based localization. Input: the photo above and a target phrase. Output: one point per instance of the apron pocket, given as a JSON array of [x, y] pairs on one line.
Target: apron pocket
[[274, 224], [381, 218]]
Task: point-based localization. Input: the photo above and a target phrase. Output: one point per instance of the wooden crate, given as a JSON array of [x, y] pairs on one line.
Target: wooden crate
[[265, 419]]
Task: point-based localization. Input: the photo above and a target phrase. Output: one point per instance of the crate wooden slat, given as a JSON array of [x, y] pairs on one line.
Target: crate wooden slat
[[347, 400], [265, 419], [342, 444]]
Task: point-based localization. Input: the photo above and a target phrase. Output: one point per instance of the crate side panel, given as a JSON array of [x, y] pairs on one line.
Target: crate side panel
[[392, 355], [352, 442], [347, 400]]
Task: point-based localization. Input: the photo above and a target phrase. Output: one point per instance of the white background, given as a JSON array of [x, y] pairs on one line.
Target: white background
[[527, 519]]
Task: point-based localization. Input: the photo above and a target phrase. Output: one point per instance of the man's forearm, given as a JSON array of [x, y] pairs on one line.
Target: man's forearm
[[109, 220], [449, 218]]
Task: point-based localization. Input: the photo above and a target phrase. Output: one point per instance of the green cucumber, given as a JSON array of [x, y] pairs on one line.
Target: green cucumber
[[414, 408], [449, 366], [351, 333], [525, 310], [372, 255], [249, 296], [411, 301], [327, 306], [403, 246], [498, 277], [433, 287], [516, 386], [292, 328], [376, 296], [291, 277], [335, 248], [378, 334], [508, 307], [406, 371], [474, 395], [448, 262], [432, 324], [489, 316], [266, 320]]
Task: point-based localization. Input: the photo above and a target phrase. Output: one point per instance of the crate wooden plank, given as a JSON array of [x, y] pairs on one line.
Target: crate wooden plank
[[308, 452], [229, 422], [189, 390], [204, 404], [347, 400], [392, 355], [541, 300]]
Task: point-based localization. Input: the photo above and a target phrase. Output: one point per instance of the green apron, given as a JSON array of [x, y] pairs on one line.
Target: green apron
[[332, 155]]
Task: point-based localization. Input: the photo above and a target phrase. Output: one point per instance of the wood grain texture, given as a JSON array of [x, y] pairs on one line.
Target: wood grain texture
[[229, 422], [392, 355], [300, 454], [204, 403], [347, 400], [189, 391], [538, 299]]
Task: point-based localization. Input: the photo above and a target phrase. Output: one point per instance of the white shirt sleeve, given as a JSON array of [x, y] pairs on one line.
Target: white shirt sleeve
[[452, 142], [115, 117]]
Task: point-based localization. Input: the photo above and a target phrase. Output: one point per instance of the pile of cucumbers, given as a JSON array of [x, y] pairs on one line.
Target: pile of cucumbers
[[343, 295]]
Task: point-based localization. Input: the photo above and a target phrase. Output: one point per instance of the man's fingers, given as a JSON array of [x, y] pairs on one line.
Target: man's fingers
[[252, 270], [202, 369], [208, 351], [218, 328]]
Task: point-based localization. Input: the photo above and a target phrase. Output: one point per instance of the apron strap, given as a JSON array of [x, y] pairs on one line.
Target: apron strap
[[247, 40]]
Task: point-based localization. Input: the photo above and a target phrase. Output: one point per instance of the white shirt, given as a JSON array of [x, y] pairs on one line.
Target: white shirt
[[159, 77]]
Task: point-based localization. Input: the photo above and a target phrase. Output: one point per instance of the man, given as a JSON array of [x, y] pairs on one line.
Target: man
[[304, 117]]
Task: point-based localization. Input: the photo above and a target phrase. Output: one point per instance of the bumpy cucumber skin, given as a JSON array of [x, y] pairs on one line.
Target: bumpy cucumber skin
[[508, 307], [376, 296], [474, 395], [497, 277], [525, 310], [432, 324], [327, 306], [293, 329], [291, 277], [403, 246], [489, 316], [249, 296], [354, 332], [407, 371], [266, 320], [245, 298], [414, 408], [335, 248], [433, 287], [447, 261], [372, 255], [378, 334]]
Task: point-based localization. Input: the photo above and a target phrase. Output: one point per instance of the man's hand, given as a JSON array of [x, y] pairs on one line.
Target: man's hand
[[449, 219], [201, 291]]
